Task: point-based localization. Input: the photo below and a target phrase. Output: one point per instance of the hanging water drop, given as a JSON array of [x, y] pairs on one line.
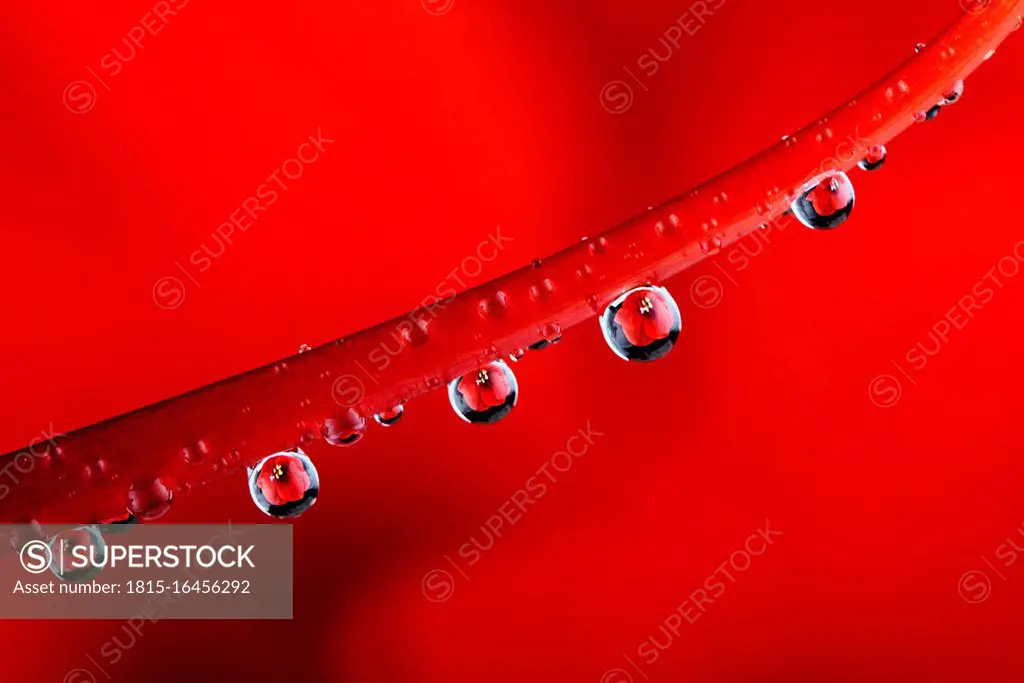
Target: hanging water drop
[[827, 204], [953, 94], [874, 158], [285, 484], [150, 500], [305, 348], [486, 395], [919, 48], [344, 428], [516, 355], [387, 418], [643, 324], [931, 113], [91, 554]]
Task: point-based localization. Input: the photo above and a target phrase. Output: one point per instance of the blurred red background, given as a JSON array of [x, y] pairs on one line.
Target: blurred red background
[[452, 117]]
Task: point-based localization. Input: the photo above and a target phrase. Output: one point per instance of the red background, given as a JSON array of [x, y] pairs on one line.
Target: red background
[[447, 126]]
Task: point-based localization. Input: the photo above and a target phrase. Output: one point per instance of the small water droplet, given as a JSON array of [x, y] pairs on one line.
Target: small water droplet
[[537, 263], [551, 332], [990, 54], [486, 395], [389, 417], [285, 484], [597, 246], [642, 325], [494, 306], [305, 348], [875, 158], [919, 48], [150, 500], [954, 93], [712, 245], [344, 428], [517, 355], [64, 565], [826, 205]]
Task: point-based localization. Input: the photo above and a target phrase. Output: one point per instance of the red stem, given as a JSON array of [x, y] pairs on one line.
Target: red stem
[[192, 439]]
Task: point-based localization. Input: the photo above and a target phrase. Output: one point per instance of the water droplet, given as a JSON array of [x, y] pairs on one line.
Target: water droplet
[[64, 565], [516, 355], [928, 115], [1020, 22], [390, 417], [305, 348], [542, 291], [919, 48], [990, 54], [643, 324], [597, 246], [494, 306], [150, 500], [827, 204], [285, 484], [874, 158], [712, 245], [551, 332], [953, 94], [537, 263], [486, 395], [344, 428]]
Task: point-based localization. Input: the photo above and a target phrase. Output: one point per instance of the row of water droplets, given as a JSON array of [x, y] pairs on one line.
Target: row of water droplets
[[641, 325]]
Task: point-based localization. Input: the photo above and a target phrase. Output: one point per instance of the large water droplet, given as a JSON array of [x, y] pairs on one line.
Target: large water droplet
[[874, 158], [953, 94], [389, 417], [150, 500], [643, 324], [285, 484], [344, 428], [827, 204], [91, 551], [484, 396]]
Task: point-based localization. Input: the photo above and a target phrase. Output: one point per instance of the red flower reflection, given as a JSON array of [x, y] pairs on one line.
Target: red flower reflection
[[831, 196], [487, 388], [283, 479], [645, 318]]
